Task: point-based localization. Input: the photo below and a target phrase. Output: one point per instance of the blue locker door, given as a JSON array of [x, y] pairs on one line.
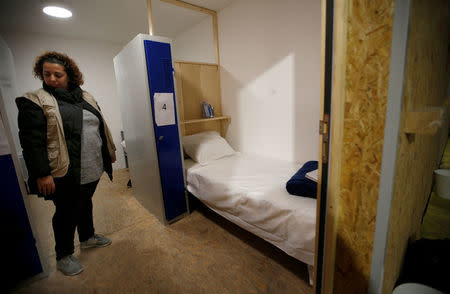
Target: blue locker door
[[160, 76]]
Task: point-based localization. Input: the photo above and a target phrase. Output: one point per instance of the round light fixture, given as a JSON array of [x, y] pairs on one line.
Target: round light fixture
[[57, 11]]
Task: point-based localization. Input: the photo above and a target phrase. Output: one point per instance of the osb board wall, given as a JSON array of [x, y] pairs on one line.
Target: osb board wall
[[426, 82], [369, 33]]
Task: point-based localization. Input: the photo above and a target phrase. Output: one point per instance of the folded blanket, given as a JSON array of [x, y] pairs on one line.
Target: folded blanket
[[300, 185]]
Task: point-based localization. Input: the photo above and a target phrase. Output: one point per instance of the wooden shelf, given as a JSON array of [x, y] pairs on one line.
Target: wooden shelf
[[196, 63], [202, 120]]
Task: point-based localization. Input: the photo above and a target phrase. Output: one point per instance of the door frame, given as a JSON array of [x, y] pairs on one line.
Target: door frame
[[332, 56], [324, 261]]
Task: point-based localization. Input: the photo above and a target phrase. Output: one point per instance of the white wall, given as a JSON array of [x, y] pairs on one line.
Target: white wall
[[196, 43], [270, 76], [95, 60]]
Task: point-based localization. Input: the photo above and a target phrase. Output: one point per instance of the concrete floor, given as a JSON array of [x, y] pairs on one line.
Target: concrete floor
[[201, 253]]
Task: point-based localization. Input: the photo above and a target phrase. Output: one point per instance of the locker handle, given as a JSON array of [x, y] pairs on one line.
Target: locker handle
[[160, 138]]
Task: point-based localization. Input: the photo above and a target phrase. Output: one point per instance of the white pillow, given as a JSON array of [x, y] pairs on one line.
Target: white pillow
[[206, 146]]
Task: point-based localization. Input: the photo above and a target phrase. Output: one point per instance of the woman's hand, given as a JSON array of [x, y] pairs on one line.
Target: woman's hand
[[113, 158], [46, 185]]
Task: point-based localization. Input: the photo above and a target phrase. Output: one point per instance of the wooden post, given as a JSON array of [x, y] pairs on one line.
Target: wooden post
[[215, 33], [190, 6], [206, 11], [216, 37], [150, 17]]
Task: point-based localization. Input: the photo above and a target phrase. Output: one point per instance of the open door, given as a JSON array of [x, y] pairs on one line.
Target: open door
[[325, 103]]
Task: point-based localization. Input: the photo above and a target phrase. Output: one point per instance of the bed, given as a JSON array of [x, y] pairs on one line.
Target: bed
[[250, 191]]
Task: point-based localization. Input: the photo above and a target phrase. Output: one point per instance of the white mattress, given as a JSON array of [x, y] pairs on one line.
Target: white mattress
[[250, 191]]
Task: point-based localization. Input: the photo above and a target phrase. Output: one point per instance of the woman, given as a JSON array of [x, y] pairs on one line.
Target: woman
[[66, 146]]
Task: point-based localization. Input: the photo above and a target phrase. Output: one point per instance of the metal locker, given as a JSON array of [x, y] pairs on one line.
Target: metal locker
[[145, 83]]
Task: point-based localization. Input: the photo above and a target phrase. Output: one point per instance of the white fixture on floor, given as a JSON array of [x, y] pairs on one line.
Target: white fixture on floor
[[413, 288], [442, 177]]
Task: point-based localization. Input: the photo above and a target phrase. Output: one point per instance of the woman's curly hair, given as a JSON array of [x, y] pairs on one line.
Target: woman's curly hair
[[73, 72]]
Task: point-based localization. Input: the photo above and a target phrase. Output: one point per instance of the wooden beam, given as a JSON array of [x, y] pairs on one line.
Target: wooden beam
[[226, 118], [150, 17], [216, 44], [190, 6], [195, 62], [425, 122], [206, 11], [216, 37], [216, 47]]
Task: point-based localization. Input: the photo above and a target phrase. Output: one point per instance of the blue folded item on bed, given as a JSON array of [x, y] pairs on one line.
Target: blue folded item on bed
[[300, 185]]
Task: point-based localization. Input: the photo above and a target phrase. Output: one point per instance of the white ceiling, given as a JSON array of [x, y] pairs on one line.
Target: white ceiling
[[107, 20]]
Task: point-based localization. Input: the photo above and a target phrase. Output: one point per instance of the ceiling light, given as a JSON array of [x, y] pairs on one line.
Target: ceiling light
[[57, 11]]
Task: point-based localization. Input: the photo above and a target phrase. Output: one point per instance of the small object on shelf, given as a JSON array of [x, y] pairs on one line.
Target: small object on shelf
[[442, 179], [208, 110], [205, 109], [211, 111]]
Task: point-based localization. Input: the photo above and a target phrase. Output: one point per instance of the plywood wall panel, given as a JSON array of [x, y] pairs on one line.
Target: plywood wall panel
[[198, 82], [209, 78], [426, 84], [192, 92], [369, 31]]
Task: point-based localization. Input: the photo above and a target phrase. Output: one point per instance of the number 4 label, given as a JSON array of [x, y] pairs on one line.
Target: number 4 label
[[164, 109]]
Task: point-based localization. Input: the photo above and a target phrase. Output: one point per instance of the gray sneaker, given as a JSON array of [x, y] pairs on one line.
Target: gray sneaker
[[95, 241], [69, 266]]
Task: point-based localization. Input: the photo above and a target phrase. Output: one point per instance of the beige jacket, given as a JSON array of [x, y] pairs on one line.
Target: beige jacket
[[58, 154]]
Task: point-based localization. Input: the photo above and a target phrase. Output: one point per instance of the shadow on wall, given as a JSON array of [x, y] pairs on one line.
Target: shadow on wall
[[271, 86], [270, 116]]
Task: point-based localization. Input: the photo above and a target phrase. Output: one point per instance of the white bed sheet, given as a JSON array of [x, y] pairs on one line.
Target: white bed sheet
[[250, 191]]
